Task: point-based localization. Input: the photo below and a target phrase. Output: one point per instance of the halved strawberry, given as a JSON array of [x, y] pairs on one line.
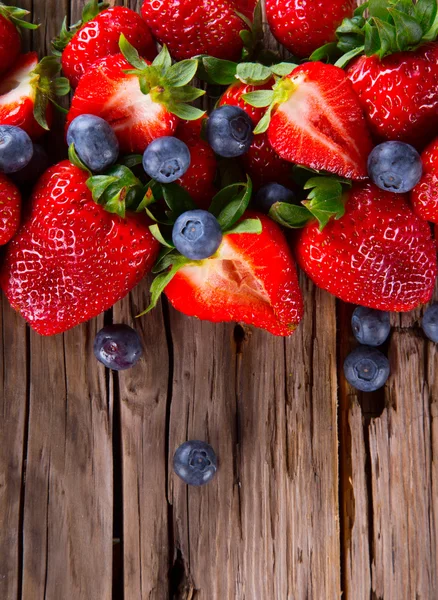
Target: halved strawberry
[[315, 120], [140, 100], [10, 209], [26, 93], [11, 21], [424, 196]]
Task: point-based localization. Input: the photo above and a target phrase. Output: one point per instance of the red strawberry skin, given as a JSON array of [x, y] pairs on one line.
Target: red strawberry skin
[[190, 28], [71, 259], [10, 209], [10, 44], [424, 196], [399, 94], [106, 91], [321, 125], [100, 37], [17, 97], [379, 254], [302, 27], [251, 279]]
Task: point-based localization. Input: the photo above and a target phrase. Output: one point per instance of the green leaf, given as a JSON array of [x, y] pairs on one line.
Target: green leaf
[[162, 280], [92, 9], [155, 230], [97, 184], [163, 61], [131, 54], [61, 86], [325, 200], [379, 9], [346, 58], [181, 73], [15, 14], [166, 258], [131, 160], [289, 215], [387, 35], [263, 124], [244, 18], [75, 160], [259, 98], [408, 31], [327, 52], [222, 72], [185, 111], [225, 196], [230, 203], [177, 199], [425, 14], [372, 39], [284, 68], [116, 190], [246, 226], [253, 73], [186, 93]]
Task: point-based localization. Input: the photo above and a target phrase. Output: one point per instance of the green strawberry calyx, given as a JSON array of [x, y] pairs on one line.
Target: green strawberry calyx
[[48, 87], [228, 206], [90, 11], [16, 15], [166, 83], [391, 26], [225, 72]]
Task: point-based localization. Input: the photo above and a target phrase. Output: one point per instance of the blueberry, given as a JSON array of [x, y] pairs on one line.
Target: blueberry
[[370, 327], [271, 193], [34, 169], [395, 167], [197, 234], [95, 142], [166, 159], [195, 462], [366, 369], [430, 322], [16, 149], [229, 131], [118, 347]]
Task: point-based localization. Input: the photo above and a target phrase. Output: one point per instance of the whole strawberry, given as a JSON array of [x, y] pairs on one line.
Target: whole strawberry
[[304, 26], [72, 259], [424, 197], [190, 28], [11, 21], [97, 35], [10, 209], [140, 100]]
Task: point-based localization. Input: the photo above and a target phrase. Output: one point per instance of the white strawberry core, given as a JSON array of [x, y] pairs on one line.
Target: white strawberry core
[[17, 86]]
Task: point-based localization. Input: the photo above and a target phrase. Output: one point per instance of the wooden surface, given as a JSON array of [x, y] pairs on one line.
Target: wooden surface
[[321, 492]]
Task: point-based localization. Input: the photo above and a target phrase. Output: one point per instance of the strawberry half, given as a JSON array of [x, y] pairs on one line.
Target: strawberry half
[[140, 100], [11, 21], [97, 35], [10, 209], [27, 92], [71, 259], [314, 119], [424, 196]]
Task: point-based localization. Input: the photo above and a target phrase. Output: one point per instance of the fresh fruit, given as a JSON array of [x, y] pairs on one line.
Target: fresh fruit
[[16, 149], [379, 254], [271, 193], [11, 20], [366, 369], [395, 167], [118, 347], [370, 327], [97, 35], [95, 142], [304, 26], [251, 278], [166, 159], [195, 462], [430, 322], [72, 259], [229, 131], [424, 197], [190, 28], [197, 234], [27, 92], [10, 209], [314, 119], [141, 104]]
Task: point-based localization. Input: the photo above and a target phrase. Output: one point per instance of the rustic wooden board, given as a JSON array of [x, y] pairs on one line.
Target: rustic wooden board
[[321, 491]]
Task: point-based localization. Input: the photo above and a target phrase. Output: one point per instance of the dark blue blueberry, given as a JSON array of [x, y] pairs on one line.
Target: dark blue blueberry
[[95, 142], [118, 347], [166, 159], [271, 193], [395, 167], [430, 322], [195, 462], [16, 149], [32, 172], [229, 131], [370, 327], [366, 369], [197, 234]]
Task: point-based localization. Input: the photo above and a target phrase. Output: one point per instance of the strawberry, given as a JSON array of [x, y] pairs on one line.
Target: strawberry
[[314, 119], [190, 28], [10, 38], [379, 254], [140, 103], [26, 93], [72, 259], [198, 180], [251, 278], [424, 196], [10, 209], [97, 35], [304, 26]]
